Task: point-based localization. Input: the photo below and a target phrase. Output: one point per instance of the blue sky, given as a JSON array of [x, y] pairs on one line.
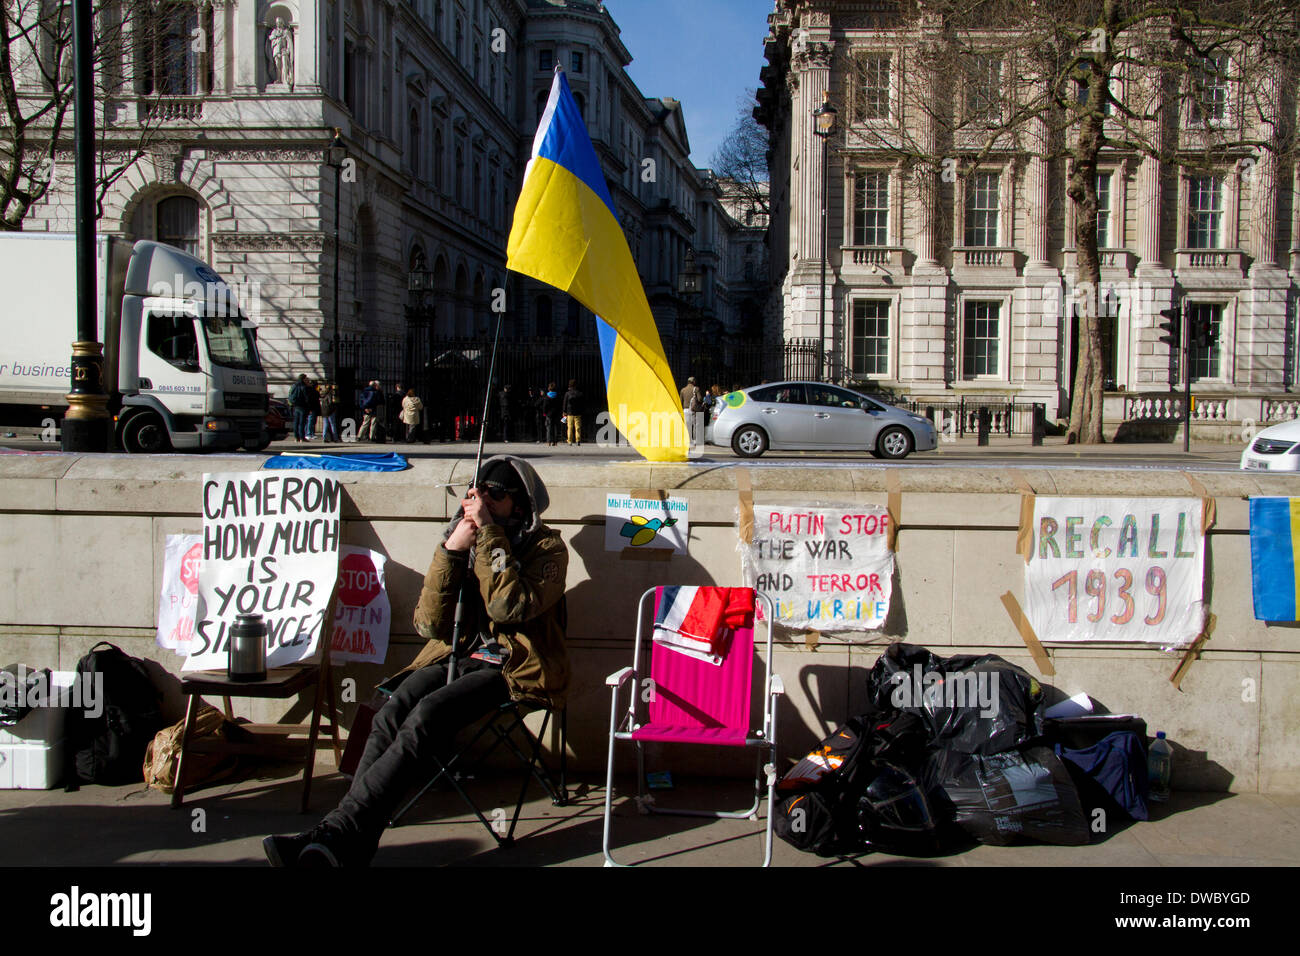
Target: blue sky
[[705, 53]]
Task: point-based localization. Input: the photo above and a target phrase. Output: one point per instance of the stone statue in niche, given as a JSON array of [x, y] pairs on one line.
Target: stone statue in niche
[[280, 52]]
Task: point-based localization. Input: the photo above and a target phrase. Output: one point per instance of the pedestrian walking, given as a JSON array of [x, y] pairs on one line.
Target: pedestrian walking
[[301, 406], [313, 408], [692, 407], [573, 408], [411, 409], [329, 413], [371, 403], [539, 413], [506, 404]]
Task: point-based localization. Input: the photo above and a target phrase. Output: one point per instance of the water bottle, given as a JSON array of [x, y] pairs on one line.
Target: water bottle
[[1160, 767]]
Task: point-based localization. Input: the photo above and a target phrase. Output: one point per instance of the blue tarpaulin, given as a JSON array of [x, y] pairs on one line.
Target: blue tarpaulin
[[358, 462]]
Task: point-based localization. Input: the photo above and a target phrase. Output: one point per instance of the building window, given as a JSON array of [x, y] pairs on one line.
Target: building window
[[1210, 90], [352, 74], [1205, 361], [983, 90], [478, 62], [437, 18], [870, 343], [1103, 210], [982, 210], [871, 89], [478, 189], [169, 62], [437, 159], [871, 209], [460, 174], [980, 339], [414, 133], [542, 97], [575, 61], [1204, 212], [178, 223], [460, 40], [582, 105], [1081, 97], [545, 60]]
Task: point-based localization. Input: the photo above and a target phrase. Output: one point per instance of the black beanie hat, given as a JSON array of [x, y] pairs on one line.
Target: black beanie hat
[[501, 474]]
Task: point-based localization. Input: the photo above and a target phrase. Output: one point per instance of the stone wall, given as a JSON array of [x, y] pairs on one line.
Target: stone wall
[[81, 544]]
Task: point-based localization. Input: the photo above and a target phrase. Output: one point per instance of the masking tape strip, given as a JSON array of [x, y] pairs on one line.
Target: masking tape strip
[[1209, 506], [1027, 635], [746, 491], [649, 493], [811, 639], [895, 506], [1193, 652], [1025, 535]]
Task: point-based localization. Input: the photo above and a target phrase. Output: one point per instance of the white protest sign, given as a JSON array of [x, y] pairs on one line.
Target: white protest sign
[[182, 559], [270, 547], [828, 568], [363, 613], [646, 524], [1116, 569]]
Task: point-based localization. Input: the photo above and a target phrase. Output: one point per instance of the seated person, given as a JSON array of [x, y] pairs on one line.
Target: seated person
[[518, 567]]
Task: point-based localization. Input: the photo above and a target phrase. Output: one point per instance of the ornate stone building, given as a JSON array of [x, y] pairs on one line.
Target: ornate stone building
[[437, 101], [941, 286]]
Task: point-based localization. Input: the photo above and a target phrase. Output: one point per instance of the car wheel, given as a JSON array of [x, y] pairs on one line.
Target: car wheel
[[146, 434], [895, 442], [749, 442]]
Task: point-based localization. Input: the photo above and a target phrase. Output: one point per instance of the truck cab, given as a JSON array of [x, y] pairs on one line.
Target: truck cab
[[188, 371]]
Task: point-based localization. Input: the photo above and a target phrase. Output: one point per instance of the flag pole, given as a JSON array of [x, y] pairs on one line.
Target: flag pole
[[458, 622]]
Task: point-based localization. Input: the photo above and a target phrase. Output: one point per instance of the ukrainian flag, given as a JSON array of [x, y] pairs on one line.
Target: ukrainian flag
[[566, 234], [1274, 550]]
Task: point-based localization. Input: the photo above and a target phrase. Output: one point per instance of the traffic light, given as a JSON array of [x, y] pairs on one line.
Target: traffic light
[[1171, 328]]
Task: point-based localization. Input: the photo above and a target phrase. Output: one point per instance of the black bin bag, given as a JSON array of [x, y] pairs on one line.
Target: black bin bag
[[1003, 798], [970, 704]]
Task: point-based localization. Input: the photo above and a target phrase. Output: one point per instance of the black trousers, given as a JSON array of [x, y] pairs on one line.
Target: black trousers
[[420, 720]]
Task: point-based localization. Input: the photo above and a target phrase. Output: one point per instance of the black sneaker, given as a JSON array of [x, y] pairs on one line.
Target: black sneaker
[[284, 851], [318, 855]]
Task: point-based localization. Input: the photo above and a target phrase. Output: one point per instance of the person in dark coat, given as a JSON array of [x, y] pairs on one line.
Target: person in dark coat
[[506, 404], [573, 403], [551, 406]]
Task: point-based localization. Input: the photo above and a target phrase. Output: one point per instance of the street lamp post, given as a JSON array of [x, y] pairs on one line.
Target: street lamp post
[[335, 155], [86, 423], [824, 127]]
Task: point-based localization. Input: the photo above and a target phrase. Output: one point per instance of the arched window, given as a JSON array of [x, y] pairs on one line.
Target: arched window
[[178, 223]]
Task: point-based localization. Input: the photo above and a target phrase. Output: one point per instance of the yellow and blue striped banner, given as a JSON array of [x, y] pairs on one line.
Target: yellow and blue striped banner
[[1274, 549], [566, 234]]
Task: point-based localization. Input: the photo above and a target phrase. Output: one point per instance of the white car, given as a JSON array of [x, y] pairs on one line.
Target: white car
[[1276, 448]]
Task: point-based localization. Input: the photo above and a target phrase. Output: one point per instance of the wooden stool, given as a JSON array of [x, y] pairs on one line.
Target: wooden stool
[[273, 740]]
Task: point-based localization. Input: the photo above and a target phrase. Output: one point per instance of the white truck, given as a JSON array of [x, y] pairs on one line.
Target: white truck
[[181, 367]]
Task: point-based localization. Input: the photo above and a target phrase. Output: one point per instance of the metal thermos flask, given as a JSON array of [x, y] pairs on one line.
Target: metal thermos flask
[[247, 649]]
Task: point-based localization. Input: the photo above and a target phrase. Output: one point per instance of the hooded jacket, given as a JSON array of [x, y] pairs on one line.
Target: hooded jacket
[[519, 597]]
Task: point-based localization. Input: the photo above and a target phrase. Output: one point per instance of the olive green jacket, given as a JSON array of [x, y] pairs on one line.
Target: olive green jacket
[[523, 596]]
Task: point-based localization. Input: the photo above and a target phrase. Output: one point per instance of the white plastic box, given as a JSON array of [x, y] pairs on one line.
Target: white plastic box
[[31, 751]]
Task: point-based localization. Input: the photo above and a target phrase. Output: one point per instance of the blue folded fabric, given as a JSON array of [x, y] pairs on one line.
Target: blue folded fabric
[[326, 462]]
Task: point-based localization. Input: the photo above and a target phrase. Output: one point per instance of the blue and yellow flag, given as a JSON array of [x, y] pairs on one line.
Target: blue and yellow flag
[[1275, 557], [566, 234]]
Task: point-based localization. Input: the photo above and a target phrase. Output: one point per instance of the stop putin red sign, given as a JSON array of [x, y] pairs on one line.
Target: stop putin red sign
[[358, 580]]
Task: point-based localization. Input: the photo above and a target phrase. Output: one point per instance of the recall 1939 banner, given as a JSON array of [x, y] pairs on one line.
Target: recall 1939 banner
[[1116, 569], [829, 569], [271, 547]]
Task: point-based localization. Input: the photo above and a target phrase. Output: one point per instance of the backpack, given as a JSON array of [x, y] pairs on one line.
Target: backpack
[[162, 756], [109, 748]]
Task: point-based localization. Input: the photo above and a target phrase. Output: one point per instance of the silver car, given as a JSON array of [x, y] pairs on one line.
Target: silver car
[[815, 417]]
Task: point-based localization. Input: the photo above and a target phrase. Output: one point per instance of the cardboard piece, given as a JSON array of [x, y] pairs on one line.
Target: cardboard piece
[[1027, 635]]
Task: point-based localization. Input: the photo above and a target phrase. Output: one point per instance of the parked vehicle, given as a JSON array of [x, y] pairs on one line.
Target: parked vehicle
[[815, 417], [279, 419], [1276, 448], [181, 367]]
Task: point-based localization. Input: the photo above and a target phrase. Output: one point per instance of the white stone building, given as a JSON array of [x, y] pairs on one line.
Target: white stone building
[[965, 287], [437, 103]]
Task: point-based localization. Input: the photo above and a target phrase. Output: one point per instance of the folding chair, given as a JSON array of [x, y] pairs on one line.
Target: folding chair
[[503, 724], [696, 702]]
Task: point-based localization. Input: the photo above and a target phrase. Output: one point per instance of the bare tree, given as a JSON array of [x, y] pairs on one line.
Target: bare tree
[[138, 44], [741, 161], [1186, 83]]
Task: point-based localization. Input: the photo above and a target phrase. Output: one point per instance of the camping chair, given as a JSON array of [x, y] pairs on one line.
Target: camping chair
[[696, 702], [506, 726]]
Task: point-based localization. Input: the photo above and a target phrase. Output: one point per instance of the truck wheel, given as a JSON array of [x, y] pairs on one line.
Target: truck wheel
[[749, 442], [259, 444], [146, 434]]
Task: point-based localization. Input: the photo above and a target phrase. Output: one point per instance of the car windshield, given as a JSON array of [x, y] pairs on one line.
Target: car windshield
[[230, 343]]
